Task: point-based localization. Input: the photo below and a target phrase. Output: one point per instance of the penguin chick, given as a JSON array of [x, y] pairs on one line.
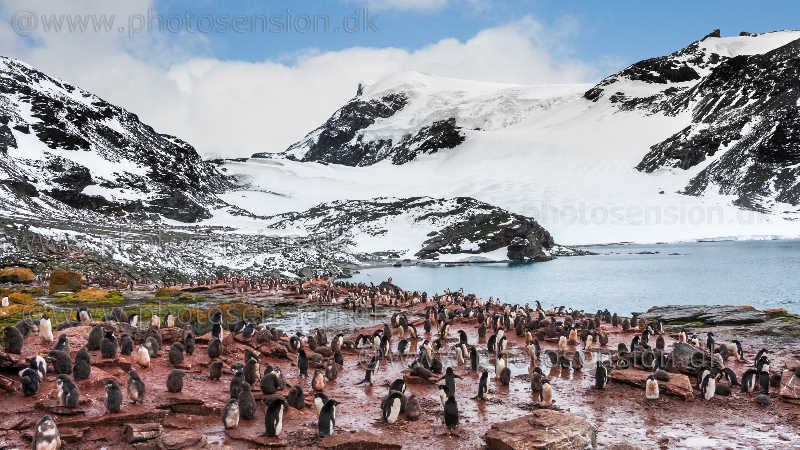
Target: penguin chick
[[176, 353], [95, 338], [651, 388], [215, 371], [68, 394], [108, 346], [113, 397], [214, 348], [247, 404], [412, 407], [125, 344], [230, 414], [136, 388], [175, 381], [46, 435]]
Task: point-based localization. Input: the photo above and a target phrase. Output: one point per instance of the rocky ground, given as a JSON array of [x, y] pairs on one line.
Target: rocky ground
[[617, 416]]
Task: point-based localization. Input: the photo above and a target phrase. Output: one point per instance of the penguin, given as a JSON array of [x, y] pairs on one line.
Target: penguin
[[108, 346], [29, 378], [763, 365], [462, 337], [68, 394], [759, 355], [562, 344], [723, 389], [331, 371], [651, 388], [338, 358], [155, 321], [4, 302], [273, 418], [729, 375], [682, 337], [252, 370], [391, 407], [546, 394], [763, 382], [169, 321], [113, 397], [695, 341], [83, 365], [83, 316], [319, 401], [443, 394], [577, 361], [294, 343], [536, 381], [61, 362], [247, 403], [318, 381], [327, 418], [482, 331], [230, 414], [490, 345], [600, 376], [412, 408], [451, 413], [46, 435], [12, 341], [176, 353], [38, 364], [188, 343], [500, 363], [295, 398], [281, 379], [214, 348], [175, 381], [369, 371], [235, 386], [710, 342], [95, 338], [302, 363], [739, 351], [505, 376], [483, 386], [660, 343], [62, 343], [125, 344], [152, 346], [136, 388], [708, 387], [474, 358], [269, 383], [215, 370], [46, 328], [587, 346], [143, 356], [762, 400], [133, 321]]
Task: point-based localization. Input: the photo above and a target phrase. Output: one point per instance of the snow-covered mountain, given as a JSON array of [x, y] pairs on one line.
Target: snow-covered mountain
[[65, 149]]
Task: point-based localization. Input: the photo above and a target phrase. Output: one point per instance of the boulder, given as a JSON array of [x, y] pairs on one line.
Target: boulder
[[686, 357], [16, 275], [360, 440], [707, 314], [677, 386], [544, 429], [179, 439], [61, 281]]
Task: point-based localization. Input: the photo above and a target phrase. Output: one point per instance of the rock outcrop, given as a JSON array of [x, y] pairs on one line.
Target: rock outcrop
[[544, 429]]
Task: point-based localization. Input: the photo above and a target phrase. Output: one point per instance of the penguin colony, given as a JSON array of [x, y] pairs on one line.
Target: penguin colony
[[439, 352]]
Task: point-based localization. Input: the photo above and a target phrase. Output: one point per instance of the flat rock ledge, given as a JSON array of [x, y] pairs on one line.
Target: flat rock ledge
[[360, 440], [544, 429]]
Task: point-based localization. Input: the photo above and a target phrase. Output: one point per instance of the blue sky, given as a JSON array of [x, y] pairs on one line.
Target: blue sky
[[603, 33]]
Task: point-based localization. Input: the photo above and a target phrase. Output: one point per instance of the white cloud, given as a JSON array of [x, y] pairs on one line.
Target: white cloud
[[236, 108]]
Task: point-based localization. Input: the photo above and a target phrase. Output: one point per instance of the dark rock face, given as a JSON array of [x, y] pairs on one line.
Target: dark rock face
[[341, 139], [463, 225], [744, 117], [91, 142], [709, 315]]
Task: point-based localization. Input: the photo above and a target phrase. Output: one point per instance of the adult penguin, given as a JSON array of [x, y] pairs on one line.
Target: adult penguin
[[302, 363], [600, 376], [710, 342], [483, 386], [319, 401], [708, 386], [474, 358], [451, 413], [391, 407], [273, 418], [327, 418]]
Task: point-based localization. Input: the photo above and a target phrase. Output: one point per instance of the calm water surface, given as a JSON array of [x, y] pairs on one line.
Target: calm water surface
[[627, 278]]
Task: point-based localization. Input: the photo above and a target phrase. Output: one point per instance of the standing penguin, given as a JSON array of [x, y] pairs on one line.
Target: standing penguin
[[412, 408], [269, 383], [83, 365], [451, 413], [369, 371], [95, 338], [708, 386], [176, 353], [12, 340], [143, 356], [546, 393], [61, 362], [450, 380], [252, 370], [46, 328], [651, 388], [125, 344], [331, 371], [302, 363], [215, 370], [247, 404], [62, 343], [391, 407], [108, 346], [113, 397], [83, 316], [739, 351], [30, 380], [230, 414], [710, 342], [474, 358], [46, 435], [68, 394], [319, 401], [443, 394], [136, 388], [236, 384], [214, 348], [600, 376], [483, 386], [295, 398], [318, 381], [188, 343], [273, 418], [175, 381]]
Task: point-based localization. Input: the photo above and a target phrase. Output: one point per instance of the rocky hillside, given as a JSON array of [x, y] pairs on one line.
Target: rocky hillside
[[64, 148], [741, 96]]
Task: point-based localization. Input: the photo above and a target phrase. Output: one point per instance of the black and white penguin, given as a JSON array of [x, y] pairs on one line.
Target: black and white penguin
[[651, 388], [763, 364], [62, 364], [113, 397], [295, 398], [155, 321], [474, 358], [38, 364], [12, 340], [176, 353], [412, 408], [443, 394], [247, 403], [136, 387], [398, 385], [143, 356], [600, 376], [450, 380], [68, 394], [230, 414], [319, 401], [215, 370], [500, 363], [46, 435], [369, 371], [95, 338], [125, 344], [175, 381], [759, 355], [546, 393], [46, 328], [327, 418], [133, 321], [490, 344], [462, 337], [82, 315], [708, 386], [739, 351], [302, 363], [391, 407], [729, 375], [169, 321], [710, 342], [318, 380], [451, 413], [29, 377], [62, 343], [483, 386], [108, 346], [294, 343], [273, 418], [214, 348], [763, 382]]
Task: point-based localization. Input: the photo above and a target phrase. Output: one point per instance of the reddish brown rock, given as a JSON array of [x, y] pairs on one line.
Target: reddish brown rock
[[544, 429], [360, 440], [62, 281], [790, 385], [176, 440], [678, 385]]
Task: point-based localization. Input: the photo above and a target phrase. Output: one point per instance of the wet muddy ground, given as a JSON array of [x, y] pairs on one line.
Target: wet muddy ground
[[620, 412]]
